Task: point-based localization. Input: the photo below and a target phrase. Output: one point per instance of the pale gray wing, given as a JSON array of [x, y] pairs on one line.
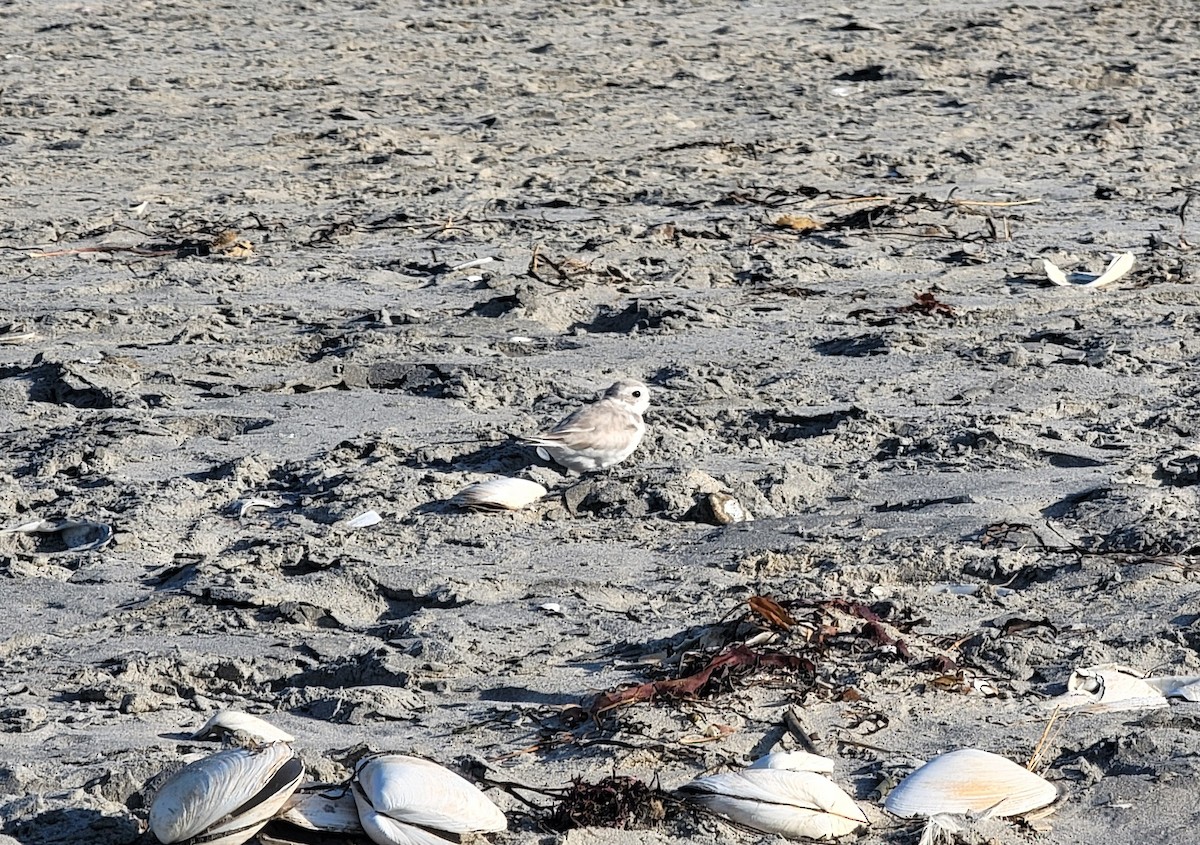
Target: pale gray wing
[[596, 427]]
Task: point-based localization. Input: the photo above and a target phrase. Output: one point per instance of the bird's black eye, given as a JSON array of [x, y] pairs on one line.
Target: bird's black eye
[[637, 394]]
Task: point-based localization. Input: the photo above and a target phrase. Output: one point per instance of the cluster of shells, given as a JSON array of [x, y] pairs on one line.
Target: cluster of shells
[[787, 793], [227, 797], [792, 795]]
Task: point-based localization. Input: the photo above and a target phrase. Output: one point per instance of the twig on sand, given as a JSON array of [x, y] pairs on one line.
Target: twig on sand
[[869, 198], [1035, 759], [868, 746], [226, 243], [996, 203], [533, 262], [79, 250], [796, 728], [510, 786]]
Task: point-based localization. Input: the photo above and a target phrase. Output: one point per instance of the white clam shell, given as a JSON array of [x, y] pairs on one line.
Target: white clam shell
[[225, 797], [1108, 687], [225, 722], [970, 781], [405, 800], [498, 494], [795, 761], [333, 812], [795, 804]]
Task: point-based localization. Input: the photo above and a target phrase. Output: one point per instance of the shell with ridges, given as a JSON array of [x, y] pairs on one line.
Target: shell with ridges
[[399, 797], [795, 804], [499, 494], [225, 797], [970, 781]]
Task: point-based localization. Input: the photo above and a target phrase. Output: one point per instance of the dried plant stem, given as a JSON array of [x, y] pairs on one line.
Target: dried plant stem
[[1035, 760], [996, 203]]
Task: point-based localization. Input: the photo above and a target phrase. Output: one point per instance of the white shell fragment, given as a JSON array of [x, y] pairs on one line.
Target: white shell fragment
[[1109, 687], [795, 804], [223, 723], [363, 520], [226, 797], [1187, 688], [16, 333], [943, 828], [795, 761], [242, 508], [970, 781], [331, 810], [951, 589], [409, 801], [76, 535], [1118, 268], [476, 262], [500, 494]]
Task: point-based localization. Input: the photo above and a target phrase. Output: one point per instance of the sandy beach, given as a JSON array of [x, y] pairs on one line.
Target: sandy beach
[[267, 267]]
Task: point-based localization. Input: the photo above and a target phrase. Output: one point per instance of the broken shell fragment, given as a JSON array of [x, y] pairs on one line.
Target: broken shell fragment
[[242, 508], [227, 797], [73, 535], [363, 520], [1118, 268], [410, 801], [1108, 687], [16, 333], [970, 781], [1178, 686], [500, 494], [225, 723], [316, 809], [795, 804]]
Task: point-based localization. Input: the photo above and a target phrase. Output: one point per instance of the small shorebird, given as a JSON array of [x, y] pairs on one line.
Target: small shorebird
[[599, 435]]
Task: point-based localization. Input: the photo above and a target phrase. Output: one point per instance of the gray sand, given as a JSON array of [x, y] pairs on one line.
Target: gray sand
[[626, 168]]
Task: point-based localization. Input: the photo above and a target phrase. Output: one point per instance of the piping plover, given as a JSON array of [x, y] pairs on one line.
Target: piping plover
[[599, 435]]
